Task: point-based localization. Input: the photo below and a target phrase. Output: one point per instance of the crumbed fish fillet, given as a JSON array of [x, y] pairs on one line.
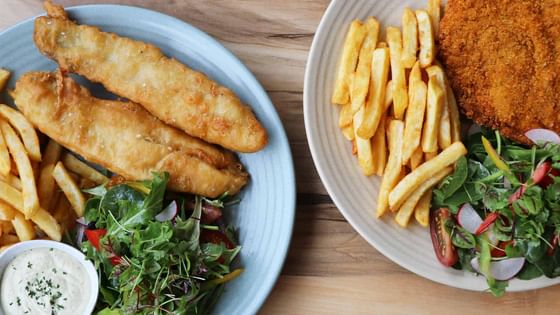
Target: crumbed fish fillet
[[171, 91], [123, 137]]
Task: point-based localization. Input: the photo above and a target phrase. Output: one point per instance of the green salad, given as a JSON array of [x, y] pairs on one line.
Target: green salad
[[157, 253], [498, 214]]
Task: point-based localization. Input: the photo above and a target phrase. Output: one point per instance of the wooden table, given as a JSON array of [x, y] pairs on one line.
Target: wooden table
[[330, 269]]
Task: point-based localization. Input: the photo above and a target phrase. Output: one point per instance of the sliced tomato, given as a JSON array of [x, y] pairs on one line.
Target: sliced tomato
[[486, 223], [215, 237], [94, 236], [549, 179], [517, 194], [501, 250], [445, 252], [541, 172]]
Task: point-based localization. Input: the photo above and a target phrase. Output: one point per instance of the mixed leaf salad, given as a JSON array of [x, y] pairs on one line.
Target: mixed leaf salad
[[498, 214], [156, 253]]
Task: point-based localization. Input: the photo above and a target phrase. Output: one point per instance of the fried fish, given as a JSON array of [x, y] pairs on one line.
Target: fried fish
[[171, 91], [123, 137]]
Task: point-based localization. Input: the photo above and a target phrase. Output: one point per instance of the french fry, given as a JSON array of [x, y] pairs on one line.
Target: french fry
[[13, 167], [360, 84], [18, 152], [24, 228], [444, 130], [5, 161], [433, 116], [4, 77], [46, 183], [348, 132], [416, 158], [400, 96], [429, 155], [414, 119], [407, 208], [410, 38], [7, 212], [389, 94], [41, 218], [345, 115], [348, 61], [11, 179], [434, 10], [426, 36], [8, 239], [375, 105], [64, 214], [363, 146], [379, 148], [69, 188], [7, 227], [25, 130], [413, 180], [73, 164], [422, 210], [453, 114], [394, 166]]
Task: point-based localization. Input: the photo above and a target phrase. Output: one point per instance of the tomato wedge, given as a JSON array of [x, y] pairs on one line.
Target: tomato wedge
[[541, 172], [549, 179], [501, 250], [215, 237], [94, 236], [486, 223], [445, 252]]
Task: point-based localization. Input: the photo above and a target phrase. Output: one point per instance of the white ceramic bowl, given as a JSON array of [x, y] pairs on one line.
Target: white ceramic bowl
[[354, 194], [12, 252]]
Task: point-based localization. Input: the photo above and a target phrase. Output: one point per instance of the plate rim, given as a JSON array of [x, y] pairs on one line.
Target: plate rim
[[265, 101], [312, 65]]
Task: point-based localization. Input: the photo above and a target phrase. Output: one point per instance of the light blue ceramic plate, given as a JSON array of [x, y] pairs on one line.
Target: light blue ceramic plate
[[265, 215]]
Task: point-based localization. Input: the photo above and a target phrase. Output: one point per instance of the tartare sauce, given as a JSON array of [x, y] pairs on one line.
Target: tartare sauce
[[44, 281]]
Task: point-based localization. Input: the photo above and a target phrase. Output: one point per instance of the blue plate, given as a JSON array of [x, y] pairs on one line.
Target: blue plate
[[265, 216]]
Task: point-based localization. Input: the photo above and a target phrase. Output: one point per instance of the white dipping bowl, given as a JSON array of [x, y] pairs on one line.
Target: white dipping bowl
[[15, 250]]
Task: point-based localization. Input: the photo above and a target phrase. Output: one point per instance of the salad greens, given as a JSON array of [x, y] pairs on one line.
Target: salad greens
[[515, 193], [152, 266]]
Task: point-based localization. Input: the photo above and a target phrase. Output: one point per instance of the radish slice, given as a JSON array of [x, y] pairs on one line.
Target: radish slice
[[543, 135], [492, 238], [504, 269], [81, 221], [468, 218], [80, 230], [169, 213]]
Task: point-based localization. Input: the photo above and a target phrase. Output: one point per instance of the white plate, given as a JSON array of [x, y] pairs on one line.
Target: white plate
[[354, 194]]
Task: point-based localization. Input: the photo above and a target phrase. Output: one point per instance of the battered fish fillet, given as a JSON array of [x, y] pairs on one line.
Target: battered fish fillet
[[123, 137], [503, 61], [171, 91]]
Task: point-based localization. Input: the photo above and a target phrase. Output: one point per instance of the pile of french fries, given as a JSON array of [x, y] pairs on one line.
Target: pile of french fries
[[398, 110], [40, 191]]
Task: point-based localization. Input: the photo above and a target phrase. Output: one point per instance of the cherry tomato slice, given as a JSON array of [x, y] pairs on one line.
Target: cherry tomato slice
[[216, 237], [486, 223], [94, 236], [541, 172], [445, 252], [501, 250], [549, 180]]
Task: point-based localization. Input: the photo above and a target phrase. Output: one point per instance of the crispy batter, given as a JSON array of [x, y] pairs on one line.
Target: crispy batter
[[123, 137], [171, 91], [503, 61]]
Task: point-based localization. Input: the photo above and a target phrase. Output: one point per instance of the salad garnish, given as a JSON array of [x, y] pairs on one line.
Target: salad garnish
[[501, 211], [153, 254]]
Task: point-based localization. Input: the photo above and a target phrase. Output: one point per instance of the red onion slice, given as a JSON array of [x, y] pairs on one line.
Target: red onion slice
[[543, 135], [468, 218], [504, 269], [81, 221], [80, 231], [169, 213]]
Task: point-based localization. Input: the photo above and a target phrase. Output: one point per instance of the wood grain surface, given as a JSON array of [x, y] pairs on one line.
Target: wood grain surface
[[330, 269]]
